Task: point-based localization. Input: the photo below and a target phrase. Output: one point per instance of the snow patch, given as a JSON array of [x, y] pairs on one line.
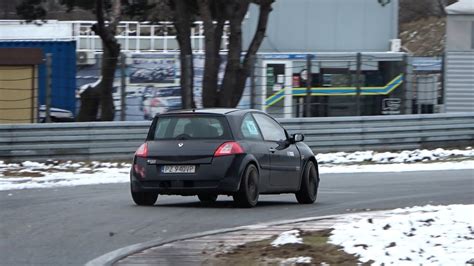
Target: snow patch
[[399, 167], [288, 237], [439, 235], [29, 174], [296, 260], [393, 157]]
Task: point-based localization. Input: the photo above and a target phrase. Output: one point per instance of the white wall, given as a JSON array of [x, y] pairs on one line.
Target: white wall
[[52, 29]]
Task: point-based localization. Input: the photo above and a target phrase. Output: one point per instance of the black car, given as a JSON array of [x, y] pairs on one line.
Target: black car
[[207, 152]]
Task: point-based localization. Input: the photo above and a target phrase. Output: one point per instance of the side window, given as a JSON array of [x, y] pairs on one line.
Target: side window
[[271, 130], [249, 128]]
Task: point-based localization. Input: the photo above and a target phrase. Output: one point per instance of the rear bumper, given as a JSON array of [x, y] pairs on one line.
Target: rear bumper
[[221, 176]]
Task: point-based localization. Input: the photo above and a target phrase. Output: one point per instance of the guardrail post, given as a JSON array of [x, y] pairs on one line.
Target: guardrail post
[[49, 62]]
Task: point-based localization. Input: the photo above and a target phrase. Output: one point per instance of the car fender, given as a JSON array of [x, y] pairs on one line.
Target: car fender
[[306, 155], [248, 158], [313, 158]]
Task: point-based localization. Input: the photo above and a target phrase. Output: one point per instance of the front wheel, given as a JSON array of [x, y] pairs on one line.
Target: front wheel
[[144, 198], [247, 196], [309, 185]]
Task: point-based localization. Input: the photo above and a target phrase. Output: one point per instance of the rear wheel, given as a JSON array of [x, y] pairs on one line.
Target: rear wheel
[[207, 198], [309, 185], [247, 196], [144, 198]]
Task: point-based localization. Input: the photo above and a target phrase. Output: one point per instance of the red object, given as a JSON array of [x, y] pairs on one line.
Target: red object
[[296, 81], [229, 148], [139, 170], [142, 151], [155, 102]]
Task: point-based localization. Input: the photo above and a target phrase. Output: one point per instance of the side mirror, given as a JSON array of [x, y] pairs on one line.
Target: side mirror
[[298, 137]]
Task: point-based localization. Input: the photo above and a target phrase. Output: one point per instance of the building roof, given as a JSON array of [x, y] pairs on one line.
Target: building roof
[[463, 7]]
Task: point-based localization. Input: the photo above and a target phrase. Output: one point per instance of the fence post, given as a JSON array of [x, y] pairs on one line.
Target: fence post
[[122, 88], [403, 105], [358, 90], [309, 84], [253, 61], [49, 83]]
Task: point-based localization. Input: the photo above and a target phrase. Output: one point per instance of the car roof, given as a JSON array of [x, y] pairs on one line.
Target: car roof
[[222, 111]]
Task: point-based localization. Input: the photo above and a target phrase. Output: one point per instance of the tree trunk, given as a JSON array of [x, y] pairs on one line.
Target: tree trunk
[[244, 72], [102, 95], [182, 24], [109, 65], [213, 38], [234, 54], [233, 64], [89, 105]]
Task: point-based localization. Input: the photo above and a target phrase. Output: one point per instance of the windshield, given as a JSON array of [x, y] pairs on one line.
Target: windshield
[[191, 127]]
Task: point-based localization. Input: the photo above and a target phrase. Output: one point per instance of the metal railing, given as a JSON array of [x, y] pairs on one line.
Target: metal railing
[[119, 140], [133, 36]]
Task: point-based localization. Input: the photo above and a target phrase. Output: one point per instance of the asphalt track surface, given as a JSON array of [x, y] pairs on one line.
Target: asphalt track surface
[[72, 225]]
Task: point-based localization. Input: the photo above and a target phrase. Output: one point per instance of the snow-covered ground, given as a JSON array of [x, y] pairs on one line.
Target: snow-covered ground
[[56, 174], [411, 156], [429, 235]]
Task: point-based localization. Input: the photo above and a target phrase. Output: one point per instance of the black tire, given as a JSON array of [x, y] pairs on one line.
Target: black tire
[[309, 185], [247, 196], [207, 198], [144, 198]]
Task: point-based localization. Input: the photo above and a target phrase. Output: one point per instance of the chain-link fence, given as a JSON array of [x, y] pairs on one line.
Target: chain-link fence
[[284, 85]]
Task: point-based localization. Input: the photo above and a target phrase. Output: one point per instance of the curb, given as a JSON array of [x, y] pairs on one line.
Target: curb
[[110, 258]]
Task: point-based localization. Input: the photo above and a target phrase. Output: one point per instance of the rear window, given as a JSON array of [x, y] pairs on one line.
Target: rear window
[[191, 127]]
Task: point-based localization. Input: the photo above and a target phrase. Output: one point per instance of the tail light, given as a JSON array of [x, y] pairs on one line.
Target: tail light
[[229, 148], [142, 151]]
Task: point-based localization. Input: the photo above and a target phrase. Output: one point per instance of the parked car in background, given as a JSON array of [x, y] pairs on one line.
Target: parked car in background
[[56, 114], [211, 152], [160, 100]]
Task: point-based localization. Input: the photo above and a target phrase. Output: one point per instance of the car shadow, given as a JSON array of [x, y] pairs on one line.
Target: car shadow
[[222, 204]]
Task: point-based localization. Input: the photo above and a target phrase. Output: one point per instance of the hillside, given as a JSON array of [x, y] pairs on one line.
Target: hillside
[[425, 36]]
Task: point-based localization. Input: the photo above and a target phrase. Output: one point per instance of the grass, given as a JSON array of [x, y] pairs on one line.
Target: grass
[[315, 245]]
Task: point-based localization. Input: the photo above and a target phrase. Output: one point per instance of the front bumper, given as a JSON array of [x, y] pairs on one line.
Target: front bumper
[[221, 176]]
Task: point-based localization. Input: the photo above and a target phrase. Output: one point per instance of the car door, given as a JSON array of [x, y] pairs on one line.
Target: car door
[[256, 146], [284, 160]]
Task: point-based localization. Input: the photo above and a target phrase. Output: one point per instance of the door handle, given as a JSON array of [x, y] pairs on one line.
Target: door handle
[[272, 150]]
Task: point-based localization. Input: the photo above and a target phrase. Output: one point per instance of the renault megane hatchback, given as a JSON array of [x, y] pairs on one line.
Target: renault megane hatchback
[[211, 152]]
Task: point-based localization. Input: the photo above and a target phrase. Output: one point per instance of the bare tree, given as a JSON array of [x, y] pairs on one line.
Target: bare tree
[[214, 14], [101, 95], [108, 15]]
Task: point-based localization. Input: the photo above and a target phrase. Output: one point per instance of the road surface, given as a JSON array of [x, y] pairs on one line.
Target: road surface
[[73, 225]]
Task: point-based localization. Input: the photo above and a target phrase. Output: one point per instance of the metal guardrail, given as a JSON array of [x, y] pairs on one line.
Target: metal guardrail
[[119, 140]]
